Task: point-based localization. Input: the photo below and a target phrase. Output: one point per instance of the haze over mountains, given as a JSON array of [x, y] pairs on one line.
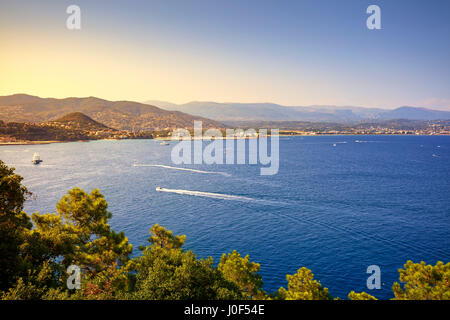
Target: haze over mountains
[[274, 112], [122, 115], [136, 117]]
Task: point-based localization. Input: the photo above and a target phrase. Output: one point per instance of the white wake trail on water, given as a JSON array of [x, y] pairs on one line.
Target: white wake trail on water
[[183, 169], [220, 196]]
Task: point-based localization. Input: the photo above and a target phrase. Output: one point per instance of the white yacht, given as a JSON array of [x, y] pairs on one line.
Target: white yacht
[[36, 158]]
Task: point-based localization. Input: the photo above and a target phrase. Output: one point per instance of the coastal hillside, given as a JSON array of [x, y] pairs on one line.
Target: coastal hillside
[[12, 132], [121, 115], [78, 121], [71, 127], [275, 112]]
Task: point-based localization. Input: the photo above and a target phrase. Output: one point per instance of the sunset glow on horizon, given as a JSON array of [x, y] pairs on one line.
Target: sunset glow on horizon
[[300, 53]]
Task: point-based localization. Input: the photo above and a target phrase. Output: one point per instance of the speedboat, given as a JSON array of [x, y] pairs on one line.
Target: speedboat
[[159, 189]]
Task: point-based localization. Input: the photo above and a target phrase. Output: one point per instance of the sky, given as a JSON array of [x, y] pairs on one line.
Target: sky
[[299, 53]]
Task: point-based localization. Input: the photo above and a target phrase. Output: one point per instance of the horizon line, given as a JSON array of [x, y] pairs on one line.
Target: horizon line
[[146, 102]]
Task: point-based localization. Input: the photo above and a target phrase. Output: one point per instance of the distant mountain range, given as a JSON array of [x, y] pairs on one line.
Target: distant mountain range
[[159, 115], [274, 112], [121, 115]]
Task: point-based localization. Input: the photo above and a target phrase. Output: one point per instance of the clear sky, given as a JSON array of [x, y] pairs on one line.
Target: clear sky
[[288, 52]]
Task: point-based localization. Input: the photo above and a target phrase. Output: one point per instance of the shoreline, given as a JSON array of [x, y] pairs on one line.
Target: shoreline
[[300, 135], [27, 143]]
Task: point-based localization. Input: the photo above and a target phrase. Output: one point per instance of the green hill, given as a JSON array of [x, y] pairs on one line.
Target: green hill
[[79, 121], [20, 131], [70, 127], [121, 115]]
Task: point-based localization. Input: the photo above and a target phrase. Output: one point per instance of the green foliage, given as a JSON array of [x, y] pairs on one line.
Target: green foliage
[[172, 274], [12, 193], [112, 283], [80, 233], [243, 273], [423, 282], [302, 286], [24, 291], [162, 238], [33, 287], [14, 224], [360, 296], [33, 261], [166, 272]]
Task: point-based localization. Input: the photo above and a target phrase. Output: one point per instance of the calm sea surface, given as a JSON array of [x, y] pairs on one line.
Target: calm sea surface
[[334, 209]]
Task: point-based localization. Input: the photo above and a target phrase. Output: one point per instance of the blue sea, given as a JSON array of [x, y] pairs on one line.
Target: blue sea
[[368, 200]]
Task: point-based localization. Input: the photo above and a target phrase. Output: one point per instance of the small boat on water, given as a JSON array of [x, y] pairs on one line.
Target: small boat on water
[[163, 143], [36, 158], [159, 189]]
